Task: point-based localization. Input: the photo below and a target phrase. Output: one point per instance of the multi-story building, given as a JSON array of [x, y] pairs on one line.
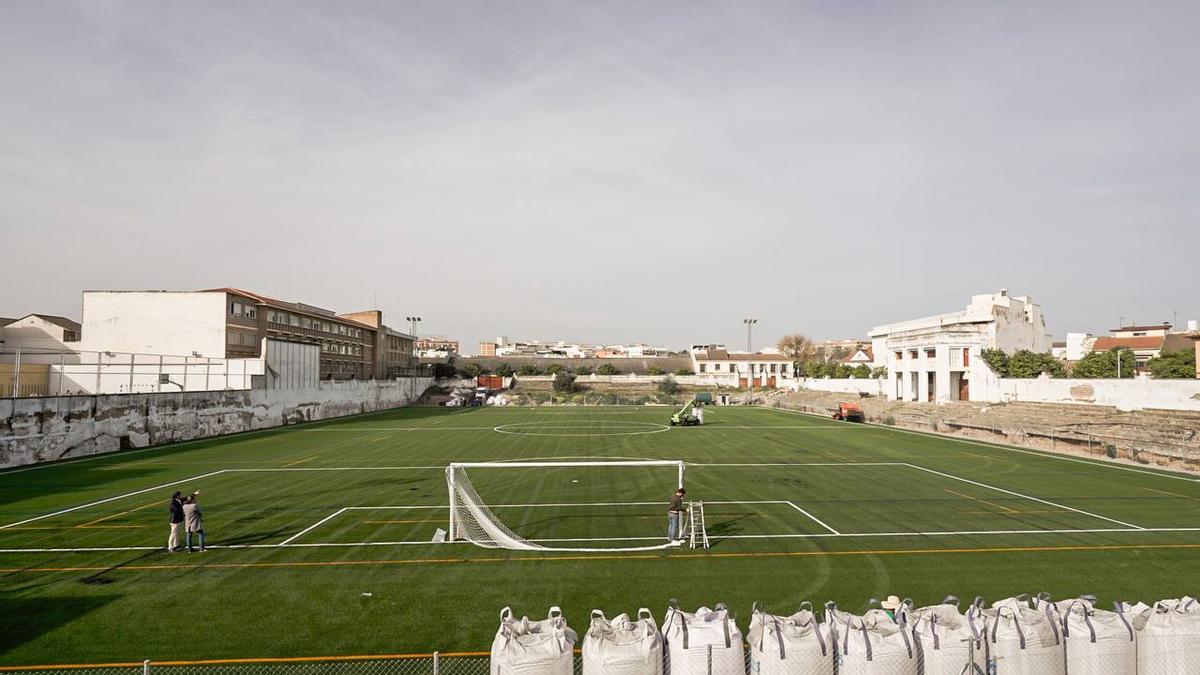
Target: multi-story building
[[232, 323], [436, 344], [931, 359], [487, 349], [757, 370]]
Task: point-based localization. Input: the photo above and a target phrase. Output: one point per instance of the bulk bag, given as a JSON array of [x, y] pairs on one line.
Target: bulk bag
[[1022, 640], [871, 644], [789, 645], [1168, 640], [622, 646], [942, 636], [690, 637], [533, 647], [1098, 642]]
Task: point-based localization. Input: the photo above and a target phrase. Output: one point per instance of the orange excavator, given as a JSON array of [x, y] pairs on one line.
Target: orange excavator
[[849, 412]]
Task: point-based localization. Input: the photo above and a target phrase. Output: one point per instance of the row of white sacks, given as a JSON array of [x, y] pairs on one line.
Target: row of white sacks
[[1014, 636]]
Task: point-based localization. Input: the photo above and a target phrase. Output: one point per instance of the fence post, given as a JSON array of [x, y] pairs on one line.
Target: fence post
[[437, 663], [709, 669], [146, 667], [16, 384]]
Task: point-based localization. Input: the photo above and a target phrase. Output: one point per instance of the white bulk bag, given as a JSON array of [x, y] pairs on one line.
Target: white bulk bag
[[1023, 640], [1169, 640], [871, 644], [789, 645], [533, 647], [689, 637], [1098, 642], [622, 646], [942, 636]]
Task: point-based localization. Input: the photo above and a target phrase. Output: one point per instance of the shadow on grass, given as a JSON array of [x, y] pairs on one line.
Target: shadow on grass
[[25, 620]]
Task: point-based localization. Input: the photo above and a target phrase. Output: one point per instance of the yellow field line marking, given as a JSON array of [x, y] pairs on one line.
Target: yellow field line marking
[[576, 558], [990, 512], [300, 461], [218, 662], [1173, 494], [982, 501], [115, 515]]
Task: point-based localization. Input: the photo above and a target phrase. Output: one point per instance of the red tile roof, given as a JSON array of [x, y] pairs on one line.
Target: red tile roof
[[1160, 326], [1104, 344]]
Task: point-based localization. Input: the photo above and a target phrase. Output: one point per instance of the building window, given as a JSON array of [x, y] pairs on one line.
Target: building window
[[235, 308], [899, 356], [702, 367], [930, 353], [966, 356]]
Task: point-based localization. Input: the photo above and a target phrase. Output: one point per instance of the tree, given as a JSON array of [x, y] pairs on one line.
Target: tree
[[1025, 364], [470, 370], [815, 368], [862, 371], [997, 359], [879, 373], [1173, 365], [799, 348], [1104, 364], [584, 370], [553, 368], [841, 371], [683, 371], [504, 370], [564, 383], [654, 370], [527, 369], [607, 369], [668, 387]]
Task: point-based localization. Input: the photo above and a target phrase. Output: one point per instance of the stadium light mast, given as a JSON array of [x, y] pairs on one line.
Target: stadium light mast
[[749, 328], [412, 324]]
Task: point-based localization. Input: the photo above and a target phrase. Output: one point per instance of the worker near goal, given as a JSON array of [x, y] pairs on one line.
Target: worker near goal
[[674, 511]]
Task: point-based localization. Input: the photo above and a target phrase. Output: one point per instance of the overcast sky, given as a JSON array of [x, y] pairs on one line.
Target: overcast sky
[[607, 171]]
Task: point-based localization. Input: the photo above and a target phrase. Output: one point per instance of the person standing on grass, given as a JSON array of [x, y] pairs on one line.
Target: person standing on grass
[[176, 520], [673, 513], [194, 520]]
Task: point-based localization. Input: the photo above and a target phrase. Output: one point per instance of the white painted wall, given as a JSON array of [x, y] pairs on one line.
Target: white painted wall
[[866, 385], [154, 322], [1124, 394], [34, 333]]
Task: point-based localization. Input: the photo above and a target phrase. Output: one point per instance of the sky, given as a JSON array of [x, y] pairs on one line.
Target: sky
[[607, 171]]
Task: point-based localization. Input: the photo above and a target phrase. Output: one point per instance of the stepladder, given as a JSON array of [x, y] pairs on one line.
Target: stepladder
[[695, 531]]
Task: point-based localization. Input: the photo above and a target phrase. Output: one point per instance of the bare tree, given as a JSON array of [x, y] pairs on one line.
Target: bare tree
[[799, 348]]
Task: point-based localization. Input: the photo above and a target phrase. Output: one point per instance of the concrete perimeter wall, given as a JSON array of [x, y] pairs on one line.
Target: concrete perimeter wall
[[864, 385], [36, 430], [667, 364]]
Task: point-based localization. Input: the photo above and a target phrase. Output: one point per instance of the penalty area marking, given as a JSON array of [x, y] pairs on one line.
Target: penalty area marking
[[636, 428]]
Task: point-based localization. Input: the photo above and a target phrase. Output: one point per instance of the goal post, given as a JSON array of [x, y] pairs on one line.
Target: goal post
[[472, 520]]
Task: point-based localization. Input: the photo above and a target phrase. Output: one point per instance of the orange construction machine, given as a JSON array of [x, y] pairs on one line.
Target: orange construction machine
[[850, 412]]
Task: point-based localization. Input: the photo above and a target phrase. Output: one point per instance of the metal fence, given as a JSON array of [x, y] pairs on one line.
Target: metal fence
[[841, 658], [26, 372]]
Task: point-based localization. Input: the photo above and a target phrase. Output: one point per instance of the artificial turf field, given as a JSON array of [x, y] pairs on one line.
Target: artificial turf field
[[304, 522]]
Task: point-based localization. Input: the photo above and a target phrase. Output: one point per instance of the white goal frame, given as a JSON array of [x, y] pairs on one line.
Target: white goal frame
[[453, 466]]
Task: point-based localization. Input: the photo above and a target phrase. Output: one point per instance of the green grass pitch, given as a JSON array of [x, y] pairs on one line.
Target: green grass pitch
[[305, 522]]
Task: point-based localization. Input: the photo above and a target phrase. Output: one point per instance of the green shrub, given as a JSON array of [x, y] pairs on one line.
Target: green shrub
[[607, 369]]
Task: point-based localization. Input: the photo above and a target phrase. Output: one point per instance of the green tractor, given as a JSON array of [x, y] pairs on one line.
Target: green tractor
[[688, 415]]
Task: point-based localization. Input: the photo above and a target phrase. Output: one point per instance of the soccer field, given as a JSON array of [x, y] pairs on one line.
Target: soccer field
[[320, 535]]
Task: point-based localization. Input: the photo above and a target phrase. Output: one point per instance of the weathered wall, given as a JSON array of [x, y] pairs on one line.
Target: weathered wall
[[42, 429], [1137, 393], [707, 380]]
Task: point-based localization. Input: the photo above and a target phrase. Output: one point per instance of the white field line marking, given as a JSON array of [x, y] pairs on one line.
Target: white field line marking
[[563, 504], [333, 468], [1010, 448], [113, 499], [814, 518], [1025, 496], [795, 464], [312, 527], [817, 535]]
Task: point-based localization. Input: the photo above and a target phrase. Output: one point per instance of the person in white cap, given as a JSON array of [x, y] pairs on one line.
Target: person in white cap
[[890, 605]]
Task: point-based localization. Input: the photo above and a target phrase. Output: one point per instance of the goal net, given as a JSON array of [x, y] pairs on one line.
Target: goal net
[[472, 519]]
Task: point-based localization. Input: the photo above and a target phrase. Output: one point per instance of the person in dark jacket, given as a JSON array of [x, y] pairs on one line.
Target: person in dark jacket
[[176, 520], [673, 513]]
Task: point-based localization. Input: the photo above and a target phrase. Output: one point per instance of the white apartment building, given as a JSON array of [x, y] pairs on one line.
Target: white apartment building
[[932, 359], [756, 370]]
